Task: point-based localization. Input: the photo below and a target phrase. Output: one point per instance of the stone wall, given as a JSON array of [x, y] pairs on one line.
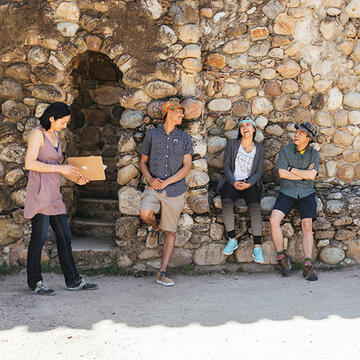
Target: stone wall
[[282, 62]]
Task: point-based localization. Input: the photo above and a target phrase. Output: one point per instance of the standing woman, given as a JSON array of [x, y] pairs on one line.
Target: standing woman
[[44, 204], [243, 168]]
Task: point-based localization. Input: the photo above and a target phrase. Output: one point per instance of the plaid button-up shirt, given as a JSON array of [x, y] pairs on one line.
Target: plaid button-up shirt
[[166, 155]]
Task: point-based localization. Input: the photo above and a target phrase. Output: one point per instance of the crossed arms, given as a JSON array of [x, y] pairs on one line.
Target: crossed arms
[[298, 174]]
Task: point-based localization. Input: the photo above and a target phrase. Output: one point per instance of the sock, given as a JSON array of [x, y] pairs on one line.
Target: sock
[[308, 262], [231, 234], [257, 240], [280, 254]]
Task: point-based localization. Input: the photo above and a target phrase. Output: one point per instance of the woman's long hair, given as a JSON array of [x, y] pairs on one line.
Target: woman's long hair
[[57, 110]]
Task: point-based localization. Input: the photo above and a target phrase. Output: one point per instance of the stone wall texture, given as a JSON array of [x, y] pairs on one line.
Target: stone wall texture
[[282, 62]]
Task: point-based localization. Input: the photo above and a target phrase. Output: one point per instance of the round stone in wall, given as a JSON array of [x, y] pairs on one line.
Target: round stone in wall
[[352, 99], [13, 153], [10, 89], [193, 108], [261, 105], [272, 146], [126, 227], [13, 176], [160, 89], [18, 197], [267, 203], [18, 71], [210, 254], [197, 178], [131, 119], [151, 8], [220, 105], [67, 29], [335, 206], [346, 173], [167, 71], [126, 174], [236, 46], [9, 230], [332, 255], [189, 34], [216, 144], [129, 200], [272, 88], [289, 69], [353, 9], [167, 35], [126, 143], [15, 110]]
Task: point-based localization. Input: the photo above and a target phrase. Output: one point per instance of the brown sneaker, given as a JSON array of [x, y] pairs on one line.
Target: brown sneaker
[[285, 265], [152, 238], [309, 273], [164, 279]]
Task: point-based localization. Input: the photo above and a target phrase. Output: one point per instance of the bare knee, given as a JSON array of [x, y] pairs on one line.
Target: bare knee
[[306, 225], [146, 215], [274, 221]]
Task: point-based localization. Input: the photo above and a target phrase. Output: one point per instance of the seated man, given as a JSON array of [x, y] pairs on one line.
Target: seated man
[[298, 164]]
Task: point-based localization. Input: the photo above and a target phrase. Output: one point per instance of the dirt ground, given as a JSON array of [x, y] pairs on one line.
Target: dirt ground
[[242, 316]]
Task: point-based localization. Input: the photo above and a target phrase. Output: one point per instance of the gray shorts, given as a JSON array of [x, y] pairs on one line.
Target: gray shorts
[[171, 207]]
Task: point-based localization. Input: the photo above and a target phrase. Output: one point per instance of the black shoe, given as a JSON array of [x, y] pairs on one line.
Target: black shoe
[[42, 289], [82, 285], [309, 273], [285, 265]]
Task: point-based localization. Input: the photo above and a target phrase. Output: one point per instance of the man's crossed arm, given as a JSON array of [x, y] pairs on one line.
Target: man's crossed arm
[[298, 174]]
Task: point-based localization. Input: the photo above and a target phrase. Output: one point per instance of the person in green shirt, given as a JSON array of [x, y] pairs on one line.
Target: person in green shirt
[[298, 165]]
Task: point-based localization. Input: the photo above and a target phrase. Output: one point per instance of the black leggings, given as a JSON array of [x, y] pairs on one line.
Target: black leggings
[[252, 198]]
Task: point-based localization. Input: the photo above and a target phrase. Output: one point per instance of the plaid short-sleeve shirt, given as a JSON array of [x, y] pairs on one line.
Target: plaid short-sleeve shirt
[[166, 155]]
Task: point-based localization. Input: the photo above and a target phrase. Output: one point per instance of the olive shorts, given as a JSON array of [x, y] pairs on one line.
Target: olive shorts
[[171, 207]]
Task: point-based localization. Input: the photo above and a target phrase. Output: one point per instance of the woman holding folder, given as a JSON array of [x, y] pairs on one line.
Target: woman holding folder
[[44, 204]]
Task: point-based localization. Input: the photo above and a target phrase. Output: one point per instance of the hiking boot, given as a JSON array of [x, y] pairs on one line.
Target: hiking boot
[[82, 285], [164, 279], [230, 247], [42, 289], [152, 238], [285, 265], [258, 255], [309, 273]]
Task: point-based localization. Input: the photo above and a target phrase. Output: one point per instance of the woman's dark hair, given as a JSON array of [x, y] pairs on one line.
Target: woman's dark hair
[[239, 132], [58, 110]]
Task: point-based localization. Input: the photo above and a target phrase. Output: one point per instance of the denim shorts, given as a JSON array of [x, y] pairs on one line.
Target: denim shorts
[[306, 205]]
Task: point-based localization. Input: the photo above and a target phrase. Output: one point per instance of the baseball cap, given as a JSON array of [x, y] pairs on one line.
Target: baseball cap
[[309, 128], [170, 105]]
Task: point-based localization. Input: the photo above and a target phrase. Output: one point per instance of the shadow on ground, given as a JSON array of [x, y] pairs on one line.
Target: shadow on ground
[[209, 300]]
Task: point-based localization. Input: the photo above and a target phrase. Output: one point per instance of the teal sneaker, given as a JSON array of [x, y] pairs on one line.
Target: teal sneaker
[[230, 247], [258, 255]]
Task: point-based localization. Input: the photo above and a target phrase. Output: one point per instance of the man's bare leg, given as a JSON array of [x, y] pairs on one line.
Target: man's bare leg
[[168, 249], [276, 233], [308, 238]]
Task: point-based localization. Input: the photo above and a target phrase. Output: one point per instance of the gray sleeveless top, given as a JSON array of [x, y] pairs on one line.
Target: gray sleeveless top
[[43, 194]]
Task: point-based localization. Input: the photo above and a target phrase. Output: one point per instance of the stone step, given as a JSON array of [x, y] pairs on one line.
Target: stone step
[[99, 189], [97, 208], [93, 227], [91, 243]]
